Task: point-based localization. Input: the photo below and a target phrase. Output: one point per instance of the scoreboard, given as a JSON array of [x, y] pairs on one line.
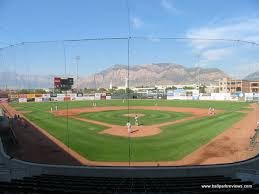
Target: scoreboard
[[63, 83]]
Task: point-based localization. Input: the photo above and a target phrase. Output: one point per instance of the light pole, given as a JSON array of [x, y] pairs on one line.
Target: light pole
[[77, 61]]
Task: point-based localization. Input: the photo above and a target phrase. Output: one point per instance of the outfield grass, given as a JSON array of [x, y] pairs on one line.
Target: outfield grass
[[151, 117], [173, 143], [45, 106]]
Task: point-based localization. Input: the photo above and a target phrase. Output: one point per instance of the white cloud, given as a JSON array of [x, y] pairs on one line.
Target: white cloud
[[210, 50], [169, 6], [242, 28], [136, 22], [242, 70], [215, 54]]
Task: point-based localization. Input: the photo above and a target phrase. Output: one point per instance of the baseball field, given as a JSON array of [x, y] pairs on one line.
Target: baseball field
[[168, 130]]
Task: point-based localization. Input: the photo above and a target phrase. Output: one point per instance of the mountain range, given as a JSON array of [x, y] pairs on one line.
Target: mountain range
[[139, 75], [253, 76], [152, 74]]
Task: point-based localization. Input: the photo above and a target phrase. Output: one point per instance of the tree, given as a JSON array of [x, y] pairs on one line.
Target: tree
[[102, 90], [128, 90], [89, 90], [188, 88], [171, 88], [120, 91], [202, 89], [40, 91], [24, 91]]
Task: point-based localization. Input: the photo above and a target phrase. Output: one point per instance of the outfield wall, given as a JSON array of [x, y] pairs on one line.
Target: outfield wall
[[180, 95], [214, 96]]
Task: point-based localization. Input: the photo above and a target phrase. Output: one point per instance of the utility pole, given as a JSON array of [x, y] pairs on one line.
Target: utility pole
[[77, 62]]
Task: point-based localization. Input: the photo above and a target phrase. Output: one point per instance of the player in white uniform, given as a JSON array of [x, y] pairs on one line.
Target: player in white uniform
[[129, 127], [209, 112], [136, 120], [213, 111]]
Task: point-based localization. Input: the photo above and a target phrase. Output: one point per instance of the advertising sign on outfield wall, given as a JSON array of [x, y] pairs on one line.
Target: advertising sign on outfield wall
[[60, 99], [13, 96], [38, 99], [67, 98], [179, 92], [195, 94], [30, 95], [45, 99], [60, 95], [38, 95], [97, 96], [53, 95], [22, 95], [170, 93], [72, 95], [249, 96], [22, 99], [79, 94], [45, 95], [205, 98], [220, 96]]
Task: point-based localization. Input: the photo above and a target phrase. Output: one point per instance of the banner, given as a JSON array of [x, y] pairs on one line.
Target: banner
[[45, 99], [45, 95], [22, 99], [38, 99], [67, 98], [97, 96], [38, 95], [30, 95], [22, 95]]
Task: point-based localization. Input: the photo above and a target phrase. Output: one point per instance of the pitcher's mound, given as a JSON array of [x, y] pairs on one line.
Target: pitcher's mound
[[133, 115]]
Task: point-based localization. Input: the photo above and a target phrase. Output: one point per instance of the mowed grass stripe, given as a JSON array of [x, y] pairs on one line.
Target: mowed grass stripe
[[45, 106], [151, 117]]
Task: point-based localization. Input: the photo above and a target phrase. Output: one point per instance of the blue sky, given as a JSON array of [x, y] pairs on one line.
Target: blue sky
[[30, 20]]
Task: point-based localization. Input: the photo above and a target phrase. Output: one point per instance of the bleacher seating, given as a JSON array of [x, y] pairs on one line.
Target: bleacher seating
[[105, 185]]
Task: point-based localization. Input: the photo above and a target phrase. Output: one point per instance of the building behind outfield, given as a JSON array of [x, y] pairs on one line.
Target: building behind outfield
[[228, 85]]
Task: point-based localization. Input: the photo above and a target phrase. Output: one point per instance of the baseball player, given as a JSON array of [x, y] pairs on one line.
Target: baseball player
[[129, 127], [56, 107], [209, 112], [51, 109], [136, 120], [213, 111]]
